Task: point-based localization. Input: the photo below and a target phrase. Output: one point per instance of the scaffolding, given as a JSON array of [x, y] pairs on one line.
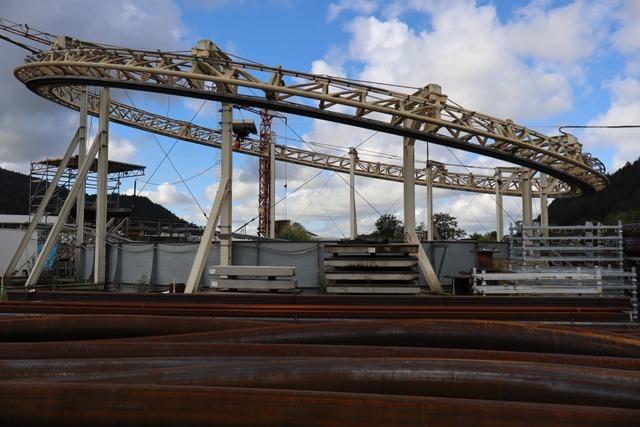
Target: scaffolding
[[42, 172]]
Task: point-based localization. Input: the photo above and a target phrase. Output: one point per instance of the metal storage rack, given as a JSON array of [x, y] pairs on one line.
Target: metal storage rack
[[582, 259], [589, 245]]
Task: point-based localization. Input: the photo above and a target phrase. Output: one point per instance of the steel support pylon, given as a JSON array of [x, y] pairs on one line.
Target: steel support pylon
[[429, 203], [100, 262], [226, 176], [544, 206], [499, 207], [82, 153], [353, 220], [527, 209]]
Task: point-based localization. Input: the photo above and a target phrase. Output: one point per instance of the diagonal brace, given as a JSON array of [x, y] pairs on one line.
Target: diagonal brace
[[42, 207], [205, 241], [64, 212]]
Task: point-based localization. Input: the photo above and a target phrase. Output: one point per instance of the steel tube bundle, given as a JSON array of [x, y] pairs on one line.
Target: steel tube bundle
[[190, 368]]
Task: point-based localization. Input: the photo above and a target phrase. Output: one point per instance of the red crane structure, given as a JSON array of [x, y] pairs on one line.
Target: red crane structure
[[264, 189], [265, 207]]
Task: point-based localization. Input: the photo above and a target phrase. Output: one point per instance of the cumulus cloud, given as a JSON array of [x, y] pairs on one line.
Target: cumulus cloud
[[121, 150], [168, 195], [624, 109], [359, 6], [627, 36], [31, 127], [525, 68]]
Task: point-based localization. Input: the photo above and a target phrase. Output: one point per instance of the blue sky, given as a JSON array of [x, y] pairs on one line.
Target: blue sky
[[540, 63]]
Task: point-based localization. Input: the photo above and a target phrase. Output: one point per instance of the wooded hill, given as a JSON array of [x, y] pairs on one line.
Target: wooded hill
[[620, 201], [14, 199]]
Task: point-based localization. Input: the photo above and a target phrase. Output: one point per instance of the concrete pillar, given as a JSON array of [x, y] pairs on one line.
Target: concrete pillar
[[226, 175], [409, 183], [100, 262], [429, 205], [353, 220], [499, 207], [82, 151], [527, 211], [272, 187]]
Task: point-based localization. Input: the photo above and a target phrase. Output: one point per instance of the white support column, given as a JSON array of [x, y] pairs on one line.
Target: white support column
[[100, 262], [63, 214], [429, 204], [272, 187], [544, 207], [409, 181], [499, 207], [53, 185], [525, 185], [82, 150], [409, 184], [204, 247], [226, 175], [353, 220]]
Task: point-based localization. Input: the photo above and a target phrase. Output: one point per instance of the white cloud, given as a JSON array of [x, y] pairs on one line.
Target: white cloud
[[627, 37], [26, 120], [563, 35], [320, 66], [364, 7], [468, 51], [624, 109], [525, 68], [168, 195], [121, 150]]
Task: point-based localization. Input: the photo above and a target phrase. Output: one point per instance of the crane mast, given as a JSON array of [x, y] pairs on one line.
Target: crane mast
[[264, 190]]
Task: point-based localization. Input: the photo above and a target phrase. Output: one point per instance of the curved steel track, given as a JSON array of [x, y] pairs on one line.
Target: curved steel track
[[211, 74]]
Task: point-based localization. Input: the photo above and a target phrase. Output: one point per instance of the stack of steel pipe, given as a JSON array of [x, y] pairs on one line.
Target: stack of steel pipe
[[137, 369], [315, 307]]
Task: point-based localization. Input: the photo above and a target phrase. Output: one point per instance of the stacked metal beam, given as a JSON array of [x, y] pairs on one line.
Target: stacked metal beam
[[371, 268]]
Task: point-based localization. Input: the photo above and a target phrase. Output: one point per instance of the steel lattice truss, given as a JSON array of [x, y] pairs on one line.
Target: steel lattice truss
[[210, 74]]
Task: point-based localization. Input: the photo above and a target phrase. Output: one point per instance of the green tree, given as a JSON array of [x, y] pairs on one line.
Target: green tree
[[294, 231], [486, 237], [446, 227], [389, 227]]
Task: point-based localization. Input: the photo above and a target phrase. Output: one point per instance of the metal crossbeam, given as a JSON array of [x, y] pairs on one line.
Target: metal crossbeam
[[217, 77], [441, 177]]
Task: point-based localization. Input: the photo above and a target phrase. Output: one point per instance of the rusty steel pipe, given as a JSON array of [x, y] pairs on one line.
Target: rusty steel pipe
[[469, 379], [52, 328], [313, 312], [221, 298], [488, 335], [127, 405], [25, 369], [45, 353]]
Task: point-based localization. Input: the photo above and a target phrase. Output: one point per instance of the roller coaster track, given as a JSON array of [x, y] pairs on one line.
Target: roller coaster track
[[210, 74]]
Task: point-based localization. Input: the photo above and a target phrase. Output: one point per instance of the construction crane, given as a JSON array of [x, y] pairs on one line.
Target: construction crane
[[264, 180]]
